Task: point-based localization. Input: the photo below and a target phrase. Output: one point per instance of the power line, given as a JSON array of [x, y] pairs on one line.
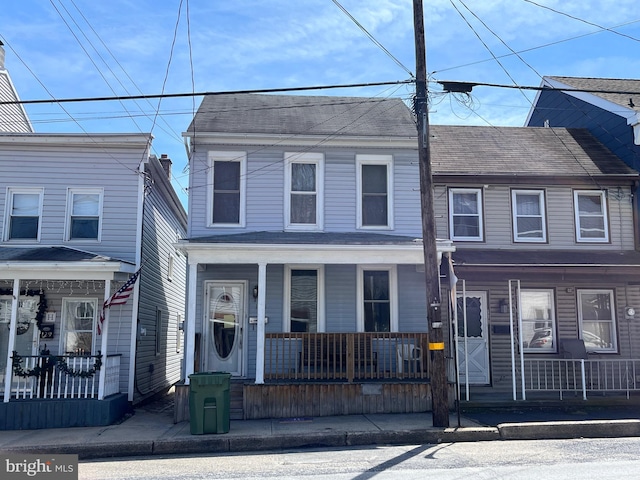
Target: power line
[[201, 94]]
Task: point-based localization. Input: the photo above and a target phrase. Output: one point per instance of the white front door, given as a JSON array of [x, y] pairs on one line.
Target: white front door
[[473, 355], [225, 326], [27, 334]]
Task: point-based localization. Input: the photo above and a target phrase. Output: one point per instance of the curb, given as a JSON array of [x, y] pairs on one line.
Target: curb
[[569, 429]]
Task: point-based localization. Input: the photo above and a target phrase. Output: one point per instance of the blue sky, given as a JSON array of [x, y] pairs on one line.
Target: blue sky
[[85, 48]]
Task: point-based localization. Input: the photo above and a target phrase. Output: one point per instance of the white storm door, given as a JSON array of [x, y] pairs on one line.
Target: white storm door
[[225, 326], [473, 354]]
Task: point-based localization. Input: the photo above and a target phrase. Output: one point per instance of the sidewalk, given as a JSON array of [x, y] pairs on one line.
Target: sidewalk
[[151, 431]]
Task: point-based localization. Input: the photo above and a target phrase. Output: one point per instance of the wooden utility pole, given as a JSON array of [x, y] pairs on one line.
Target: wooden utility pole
[[437, 371]]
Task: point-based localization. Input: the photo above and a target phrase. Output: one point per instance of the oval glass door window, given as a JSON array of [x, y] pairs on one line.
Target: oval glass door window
[[225, 322]]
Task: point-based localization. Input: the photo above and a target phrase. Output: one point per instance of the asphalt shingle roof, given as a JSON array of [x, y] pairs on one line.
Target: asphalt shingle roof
[[303, 115], [610, 84], [48, 254]]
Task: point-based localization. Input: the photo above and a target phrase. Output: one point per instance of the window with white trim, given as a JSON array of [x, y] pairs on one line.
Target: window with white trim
[[590, 208], [465, 214], [375, 191], [78, 323], [24, 211], [597, 320], [304, 186], [84, 212], [529, 222], [538, 321], [304, 299], [227, 181], [377, 306]]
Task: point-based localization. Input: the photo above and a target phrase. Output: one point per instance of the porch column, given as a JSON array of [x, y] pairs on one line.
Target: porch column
[[190, 334], [12, 339], [262, 294], [104, 341]]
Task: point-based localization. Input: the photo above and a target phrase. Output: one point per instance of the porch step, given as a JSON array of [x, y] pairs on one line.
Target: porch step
[[236, 396]]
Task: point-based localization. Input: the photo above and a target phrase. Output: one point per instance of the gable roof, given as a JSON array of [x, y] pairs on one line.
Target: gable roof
[[521, 151], [601, 87], [303, 115], [13, 117]]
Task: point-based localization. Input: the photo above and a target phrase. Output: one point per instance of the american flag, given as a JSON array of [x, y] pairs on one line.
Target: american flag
[[120, 297]]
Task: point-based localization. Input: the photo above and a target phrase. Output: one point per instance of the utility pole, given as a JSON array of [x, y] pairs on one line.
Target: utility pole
[[437, 371]]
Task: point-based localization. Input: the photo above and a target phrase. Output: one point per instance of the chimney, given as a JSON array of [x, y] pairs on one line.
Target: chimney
[[1, 55], [165, 161]]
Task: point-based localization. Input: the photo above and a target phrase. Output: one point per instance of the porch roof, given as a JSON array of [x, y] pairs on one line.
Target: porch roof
[[309, 247], [586, 261], [56, 262]]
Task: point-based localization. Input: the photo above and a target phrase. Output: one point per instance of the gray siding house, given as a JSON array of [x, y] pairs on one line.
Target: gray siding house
[[543, 224], [305, 254], [306, 278], [80, 215]]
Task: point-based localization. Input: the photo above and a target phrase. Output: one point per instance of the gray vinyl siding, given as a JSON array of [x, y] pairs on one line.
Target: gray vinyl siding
[[265, 202], [340, 298], [566, 313], [62, 167], [412, 310], [561, 232], [156, 371]]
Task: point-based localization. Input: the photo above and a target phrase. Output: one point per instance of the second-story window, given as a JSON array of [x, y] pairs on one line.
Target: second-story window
[[375, 191], [465, 214], [591, 216], [84, 208], [528, 209], [303, 190], [227, 181], [24, 209]]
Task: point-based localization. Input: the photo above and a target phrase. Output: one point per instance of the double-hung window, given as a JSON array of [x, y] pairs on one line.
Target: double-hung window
[[538, 321], [375, 191], [377, 291], [304, 294], [24, 211], [84, 208], [465, 214], [227, 179], [78, 323], [529, 224], [304, 186], [596, 316], [590, 208]]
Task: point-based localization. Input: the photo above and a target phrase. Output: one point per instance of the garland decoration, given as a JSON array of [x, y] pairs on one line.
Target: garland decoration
[[53, 361], [42, 304]]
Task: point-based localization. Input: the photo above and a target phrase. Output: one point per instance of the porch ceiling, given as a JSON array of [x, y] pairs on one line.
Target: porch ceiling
[[309, 248]]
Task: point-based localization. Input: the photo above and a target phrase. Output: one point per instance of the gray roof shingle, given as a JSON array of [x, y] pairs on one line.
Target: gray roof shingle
[[631, 87], [48, 254], [303, 115]]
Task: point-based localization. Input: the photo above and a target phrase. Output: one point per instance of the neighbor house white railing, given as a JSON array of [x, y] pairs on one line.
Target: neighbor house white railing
[[582, 376], [61, 377]]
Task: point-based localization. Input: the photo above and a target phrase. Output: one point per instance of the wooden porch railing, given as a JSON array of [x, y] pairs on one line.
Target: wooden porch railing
[[64, 376], [345, 356]]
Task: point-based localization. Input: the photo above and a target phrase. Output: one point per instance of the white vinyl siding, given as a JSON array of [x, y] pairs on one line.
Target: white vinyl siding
[[227, 189], [465, 214], [529, 219], [84, 214], [23, 214], [590, 208], [375, 191], [304, 191]]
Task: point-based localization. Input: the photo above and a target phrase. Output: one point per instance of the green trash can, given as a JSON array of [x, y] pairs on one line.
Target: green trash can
[[209, 402]]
